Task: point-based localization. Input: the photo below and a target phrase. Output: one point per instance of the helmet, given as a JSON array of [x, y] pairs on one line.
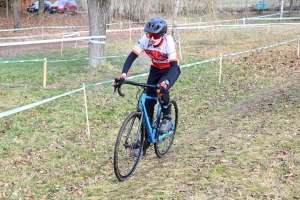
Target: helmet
[[156, 25]]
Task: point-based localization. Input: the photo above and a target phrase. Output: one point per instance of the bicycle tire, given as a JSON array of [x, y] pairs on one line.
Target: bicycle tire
[[163, 146], [130, 139]]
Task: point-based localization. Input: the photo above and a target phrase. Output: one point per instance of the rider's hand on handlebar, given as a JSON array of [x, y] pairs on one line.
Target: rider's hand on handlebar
[[120, 80], [162, 88]]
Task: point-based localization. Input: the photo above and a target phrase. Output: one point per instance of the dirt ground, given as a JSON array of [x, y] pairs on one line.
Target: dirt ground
[[28, 20]]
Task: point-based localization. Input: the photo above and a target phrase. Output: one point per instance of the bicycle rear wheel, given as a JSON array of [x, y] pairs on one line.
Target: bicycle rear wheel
[[162, 146], [128, 147]]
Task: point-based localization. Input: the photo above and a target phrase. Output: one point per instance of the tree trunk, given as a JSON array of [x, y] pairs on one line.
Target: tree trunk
[[109, 16], [41, 8], [97, 9], [174, 28], [291, 7], [147, 16], [16, 14], [281, 9], [6, 9]]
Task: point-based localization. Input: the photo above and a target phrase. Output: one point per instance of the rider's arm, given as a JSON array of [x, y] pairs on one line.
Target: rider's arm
[[173, 70], [131, 57], [137, 50]]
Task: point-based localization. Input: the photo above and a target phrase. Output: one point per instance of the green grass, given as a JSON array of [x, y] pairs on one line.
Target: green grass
[[236, 140]]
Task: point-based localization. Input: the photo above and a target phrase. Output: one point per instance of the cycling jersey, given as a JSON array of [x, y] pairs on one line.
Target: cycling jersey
[[160, 55]]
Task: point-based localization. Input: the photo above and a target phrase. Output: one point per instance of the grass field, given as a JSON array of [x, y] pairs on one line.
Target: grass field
[[238, 139]]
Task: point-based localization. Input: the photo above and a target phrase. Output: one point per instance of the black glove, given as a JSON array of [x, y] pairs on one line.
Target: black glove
[[119, 81], [162, 88]]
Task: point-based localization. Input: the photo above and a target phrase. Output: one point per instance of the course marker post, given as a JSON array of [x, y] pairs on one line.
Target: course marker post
[[62, 44], [129, 33], [298, 49], [42, 32], [220, 74], [45, 73], [86, 112]]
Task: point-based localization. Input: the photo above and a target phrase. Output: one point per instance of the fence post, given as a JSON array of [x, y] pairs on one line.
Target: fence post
[[86, 112], [220, 74], [129, 34], [298, 49], [42, 32], [45, 73], [62, 44]]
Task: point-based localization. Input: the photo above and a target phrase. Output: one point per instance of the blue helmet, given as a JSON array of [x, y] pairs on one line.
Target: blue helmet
[[156, 25]]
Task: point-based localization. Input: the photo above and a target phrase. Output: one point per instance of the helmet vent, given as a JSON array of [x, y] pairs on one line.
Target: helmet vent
[[156, 27]]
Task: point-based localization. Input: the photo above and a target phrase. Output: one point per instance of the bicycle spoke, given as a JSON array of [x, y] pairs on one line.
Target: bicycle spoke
[[128, 147], [163, 145]]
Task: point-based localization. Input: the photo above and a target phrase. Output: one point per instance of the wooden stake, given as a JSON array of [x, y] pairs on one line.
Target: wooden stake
[[45, 73], [268, 29], [220, 74], [86, 112], [62, 44], [130, 34], [42, 32], [298, 49]]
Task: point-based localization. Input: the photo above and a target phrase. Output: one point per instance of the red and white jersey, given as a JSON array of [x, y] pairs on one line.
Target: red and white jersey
[[160, 55]]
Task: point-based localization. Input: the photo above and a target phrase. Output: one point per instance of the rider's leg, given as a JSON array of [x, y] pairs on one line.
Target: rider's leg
[[167, 115], [166, 105]]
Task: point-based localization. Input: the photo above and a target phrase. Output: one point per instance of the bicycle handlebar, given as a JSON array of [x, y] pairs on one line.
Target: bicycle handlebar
[[143, 85]]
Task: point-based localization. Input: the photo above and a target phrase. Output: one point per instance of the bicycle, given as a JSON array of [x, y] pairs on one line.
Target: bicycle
[[137, 130]]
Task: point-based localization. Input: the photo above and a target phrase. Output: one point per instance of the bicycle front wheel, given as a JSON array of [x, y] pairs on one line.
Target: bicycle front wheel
[[128, 147], [162, 146]]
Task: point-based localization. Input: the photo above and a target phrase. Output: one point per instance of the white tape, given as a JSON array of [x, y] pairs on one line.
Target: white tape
[[96, 42], [51, 41]]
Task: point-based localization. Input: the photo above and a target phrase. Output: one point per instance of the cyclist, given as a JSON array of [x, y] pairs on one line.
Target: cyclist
[[164, 69]]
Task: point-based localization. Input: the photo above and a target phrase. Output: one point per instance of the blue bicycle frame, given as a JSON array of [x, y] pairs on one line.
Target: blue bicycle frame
[[151, 131]]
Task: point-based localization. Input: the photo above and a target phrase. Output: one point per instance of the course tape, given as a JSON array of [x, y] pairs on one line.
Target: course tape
[[267, 15], [277, 18], [19, 109], [52, 61], [37, 27], [53, 40]]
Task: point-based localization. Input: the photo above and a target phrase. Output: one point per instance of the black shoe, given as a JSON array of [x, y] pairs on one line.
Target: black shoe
[[166, 123], [136, 152], [136, 149]]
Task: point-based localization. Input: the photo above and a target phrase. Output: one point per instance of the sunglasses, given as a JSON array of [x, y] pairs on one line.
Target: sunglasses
[[154, 35]]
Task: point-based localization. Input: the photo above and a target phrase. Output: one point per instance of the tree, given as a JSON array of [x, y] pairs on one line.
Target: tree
[[281, 9], [41, 8], [98, 10], [16, 14], [291, 8], [6, 8], [147, 10], [174, 28]]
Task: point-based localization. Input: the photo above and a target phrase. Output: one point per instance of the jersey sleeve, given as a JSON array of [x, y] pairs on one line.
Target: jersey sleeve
[[141, 45], [172, 53]]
